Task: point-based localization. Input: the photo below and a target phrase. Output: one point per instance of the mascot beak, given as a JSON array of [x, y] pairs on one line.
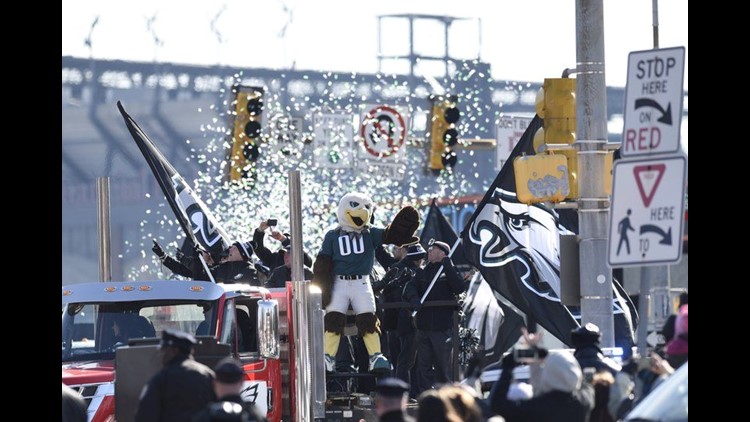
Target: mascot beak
[[359, 217]]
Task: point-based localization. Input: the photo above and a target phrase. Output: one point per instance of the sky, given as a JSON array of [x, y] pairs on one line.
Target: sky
[[523, 40]]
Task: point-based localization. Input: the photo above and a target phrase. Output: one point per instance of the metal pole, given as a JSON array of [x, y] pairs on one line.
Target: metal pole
[[295, 217], [651, 278], [300, 303], [643, 302], [593, 204], [655, 18], [102, 207], [302, 370]]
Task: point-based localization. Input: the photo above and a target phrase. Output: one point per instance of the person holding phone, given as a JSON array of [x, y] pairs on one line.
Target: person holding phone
[[273, 259], [560, 394]]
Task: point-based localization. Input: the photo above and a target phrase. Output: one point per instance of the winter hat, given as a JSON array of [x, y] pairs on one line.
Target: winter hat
[[415, 251], [560, 372], [245, 248], [588, 335], [442, 245]]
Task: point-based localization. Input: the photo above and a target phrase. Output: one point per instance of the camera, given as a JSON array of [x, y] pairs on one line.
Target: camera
[[525, 355], [271, 222]]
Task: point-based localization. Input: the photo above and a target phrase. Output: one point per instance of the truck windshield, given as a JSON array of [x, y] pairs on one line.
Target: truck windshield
[[93, 331]]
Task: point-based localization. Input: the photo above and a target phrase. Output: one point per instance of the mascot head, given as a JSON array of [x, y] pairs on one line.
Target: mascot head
[[355, 211]]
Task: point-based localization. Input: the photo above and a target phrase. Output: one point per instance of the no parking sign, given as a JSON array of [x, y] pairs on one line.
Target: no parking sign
[[383, 130], [382, 136]]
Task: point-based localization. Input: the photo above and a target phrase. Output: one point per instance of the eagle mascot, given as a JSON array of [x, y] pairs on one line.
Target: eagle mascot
[[342, 271]]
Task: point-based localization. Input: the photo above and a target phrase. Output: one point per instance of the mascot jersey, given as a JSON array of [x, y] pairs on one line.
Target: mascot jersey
[[352, 253]]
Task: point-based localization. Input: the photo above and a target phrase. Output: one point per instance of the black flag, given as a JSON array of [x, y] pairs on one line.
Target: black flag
[[437, 227], [498, 326], [516, 247], [194, 217]]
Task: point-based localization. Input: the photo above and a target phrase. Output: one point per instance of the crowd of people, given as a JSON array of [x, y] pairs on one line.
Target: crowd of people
[[579, 386]]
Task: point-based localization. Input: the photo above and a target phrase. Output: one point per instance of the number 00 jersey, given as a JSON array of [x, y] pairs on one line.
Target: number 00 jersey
[[352, 253]]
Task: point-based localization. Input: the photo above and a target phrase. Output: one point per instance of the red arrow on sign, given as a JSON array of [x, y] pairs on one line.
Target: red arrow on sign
[[647, 178]]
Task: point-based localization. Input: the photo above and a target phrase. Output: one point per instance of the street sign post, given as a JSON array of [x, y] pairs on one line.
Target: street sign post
[[382, 141], [647, 213], [508, 131], [653, 102]]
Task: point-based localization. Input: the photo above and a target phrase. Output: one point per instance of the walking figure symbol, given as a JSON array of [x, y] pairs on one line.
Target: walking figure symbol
[[622, 228]]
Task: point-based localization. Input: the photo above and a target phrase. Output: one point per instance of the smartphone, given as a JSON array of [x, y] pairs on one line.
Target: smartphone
[[271, 222], [588, 374], [525, 354]]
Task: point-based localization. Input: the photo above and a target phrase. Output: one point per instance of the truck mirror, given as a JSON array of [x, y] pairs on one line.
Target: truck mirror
[[268, 329]]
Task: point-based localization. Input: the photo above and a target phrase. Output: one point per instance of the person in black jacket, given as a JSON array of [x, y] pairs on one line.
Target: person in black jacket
[[181, 388], [280, 275], [585, 340], [230, 406], [559, 395], [234, 265], [186, 264], [399, 321], [270, 259], [434, 324], [391, 400]]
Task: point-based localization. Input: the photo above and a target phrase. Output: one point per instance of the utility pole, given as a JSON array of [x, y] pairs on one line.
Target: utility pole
[[653, 298], [593, 202]]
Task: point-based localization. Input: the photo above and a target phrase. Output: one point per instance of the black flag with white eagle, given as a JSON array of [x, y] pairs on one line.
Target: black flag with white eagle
[[516, 247], [194, 217]]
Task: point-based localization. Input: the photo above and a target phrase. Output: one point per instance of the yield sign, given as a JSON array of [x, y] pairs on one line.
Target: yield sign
[[647, 212], [647, 178]]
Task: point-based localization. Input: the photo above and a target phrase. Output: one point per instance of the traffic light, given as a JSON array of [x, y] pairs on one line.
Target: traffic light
[[248, 107], [443, 134], [556, 104]]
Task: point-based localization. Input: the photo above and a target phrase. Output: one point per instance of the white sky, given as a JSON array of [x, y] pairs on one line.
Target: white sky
[[523, 40]]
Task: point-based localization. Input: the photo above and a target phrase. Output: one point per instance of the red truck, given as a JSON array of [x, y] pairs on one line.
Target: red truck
[[106, 324]]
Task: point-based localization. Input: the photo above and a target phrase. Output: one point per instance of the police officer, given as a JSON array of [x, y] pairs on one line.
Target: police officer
[[434, 324], [390, 401], [181, 388], [230, 405]]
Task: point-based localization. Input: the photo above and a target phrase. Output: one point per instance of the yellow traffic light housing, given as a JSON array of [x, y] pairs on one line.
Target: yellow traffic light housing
[[556, 104], [246, 134], [444, 117]]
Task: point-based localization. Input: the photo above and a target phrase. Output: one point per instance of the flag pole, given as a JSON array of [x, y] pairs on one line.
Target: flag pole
[[205, 267], [437, 274]]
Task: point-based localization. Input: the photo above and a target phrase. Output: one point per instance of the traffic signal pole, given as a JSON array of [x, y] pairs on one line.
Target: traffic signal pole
[[593, 202]]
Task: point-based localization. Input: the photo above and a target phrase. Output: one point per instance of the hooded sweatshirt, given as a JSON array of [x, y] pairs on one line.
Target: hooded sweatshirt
[[559, 394], [560, 372], [679, 344]]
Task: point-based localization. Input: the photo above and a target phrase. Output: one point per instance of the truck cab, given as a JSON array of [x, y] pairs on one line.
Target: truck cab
[[100, 318]]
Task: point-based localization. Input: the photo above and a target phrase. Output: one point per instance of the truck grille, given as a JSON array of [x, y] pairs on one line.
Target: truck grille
[[87, 391]]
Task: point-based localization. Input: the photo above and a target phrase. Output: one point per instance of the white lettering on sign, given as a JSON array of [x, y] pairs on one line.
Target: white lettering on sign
[[662, 213], [653, 102], [646, 218], [507, 133]]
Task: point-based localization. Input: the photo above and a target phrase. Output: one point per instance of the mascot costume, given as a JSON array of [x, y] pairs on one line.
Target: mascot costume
[[342, 271]]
